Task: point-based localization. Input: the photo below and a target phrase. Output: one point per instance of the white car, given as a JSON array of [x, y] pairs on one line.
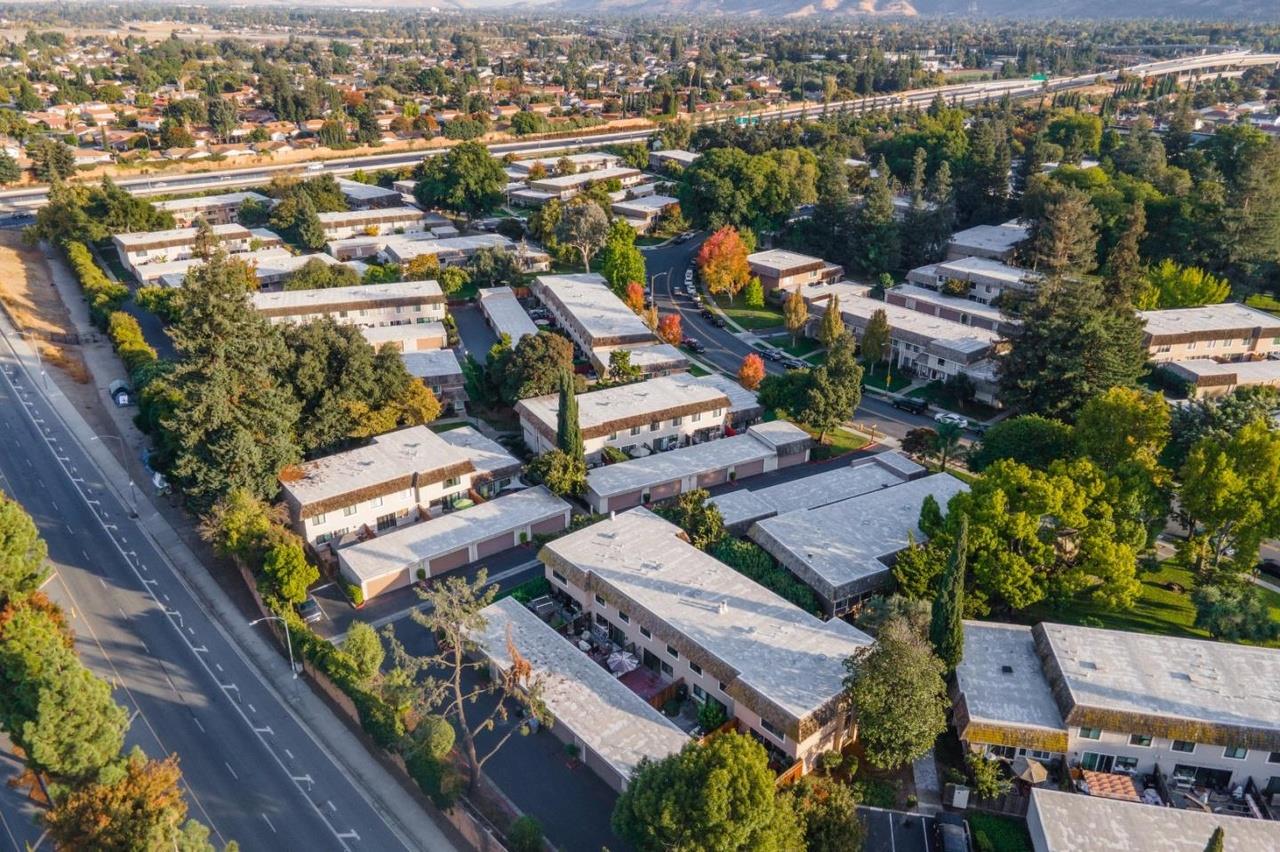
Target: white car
[[948, 417], [688, 278], [316, 167]]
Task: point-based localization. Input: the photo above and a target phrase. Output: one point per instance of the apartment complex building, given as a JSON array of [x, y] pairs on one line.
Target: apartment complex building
[[386, 220], [439, 370], [782, 271], [505, 314], [596, 320], [139, 249], [975, 279], [1226, 332], [953, 308], [643, 417], [416, 337], [994, 242], [775, 669], [218, 209], [365, 196], [400, 303], [565, 187]]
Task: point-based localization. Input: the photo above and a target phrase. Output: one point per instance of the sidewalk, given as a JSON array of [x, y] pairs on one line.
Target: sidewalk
[[384, 793]]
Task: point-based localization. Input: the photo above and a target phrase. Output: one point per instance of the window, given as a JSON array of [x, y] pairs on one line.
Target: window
[[613, 436], [1235, 752], [386, 521], [721, 687], [768, 726], [1090, 733], [635, 430], [676, 421], [644, 631], [1184, 746], [1274, 758], [601, 620], [1040, 755], [1125, 764], [600, 600], [655, 426], [375, 502], [623, 617], [348, 511], [697, 415], [673, 652], [695, 668], [1003, 751], [559, 578], [699, 693], [317, 520], [1140, 740], [452, 482], [667, 670]]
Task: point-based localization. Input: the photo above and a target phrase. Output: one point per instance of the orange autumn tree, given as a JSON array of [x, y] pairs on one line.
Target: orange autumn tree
[[669, 329], [722, 260], [751, 373], [635, 296]]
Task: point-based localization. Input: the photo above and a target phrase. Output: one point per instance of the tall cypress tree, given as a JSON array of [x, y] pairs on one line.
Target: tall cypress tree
[[946, 632], [568, 432], [1217, 841]]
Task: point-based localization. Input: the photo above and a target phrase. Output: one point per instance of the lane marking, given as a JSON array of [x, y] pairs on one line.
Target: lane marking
[[269, 825], [232, 771]]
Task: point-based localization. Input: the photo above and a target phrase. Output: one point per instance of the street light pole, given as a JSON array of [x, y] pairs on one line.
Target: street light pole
[[35, 347], [293, 668], [124, 460], [653, 279]]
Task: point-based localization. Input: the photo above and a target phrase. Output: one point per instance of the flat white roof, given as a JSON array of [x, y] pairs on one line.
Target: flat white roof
[[819, 489], [955, 303], [411, 546], [505, 313], [203, 202], [486, 454], [178, 236], [645, 205], [1020, 696], [563, 182], [405, 247], [753, 445], [588, 298], [602, 407], [275, 262], [678, 154], [262, 259], [786, 654], [1070, 822], [1214, 682], [844, 542], [995, 238], [1240, 372], [954, 335], [382, 214], [1226, 317], [580, 160], [647, 356], [378, 335], [966, 267], [740, 399], [781, 260], [365, 191], [610, 719], [315, 301], [431, 363]]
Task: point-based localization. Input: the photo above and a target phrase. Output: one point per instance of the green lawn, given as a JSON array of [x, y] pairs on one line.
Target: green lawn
[[1159, 609], [838, 442], [695, 370], [750, 318], [804, 346], [999, 833], [881, 376], [447, 427], [647, 240], [973, 409]]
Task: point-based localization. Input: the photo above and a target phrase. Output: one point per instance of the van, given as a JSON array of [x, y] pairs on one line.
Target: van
[[910, 404]]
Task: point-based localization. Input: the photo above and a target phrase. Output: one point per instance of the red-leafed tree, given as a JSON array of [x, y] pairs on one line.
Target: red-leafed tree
[[669, 329], [722, 261], [635, 296], [751, 373]]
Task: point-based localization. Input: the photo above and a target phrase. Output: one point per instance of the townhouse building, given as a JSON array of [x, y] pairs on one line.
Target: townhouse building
[[953, 308], [660, 160], [397, 479], [505, 314], [385, 220], [639, 418], [1225, 332], [643, 213], [1199, 714], [1205, 377], [975, 279], [400, 303], [565, 187], [593, 316], [586, 161], [783, 272], [365, 196], [439, 370], [776, 670], [139, 249], [993, 242], [218, 209], [416, 337]]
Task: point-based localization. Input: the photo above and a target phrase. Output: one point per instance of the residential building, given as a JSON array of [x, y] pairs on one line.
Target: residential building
[[364, 196], [450, 251], [586, 161], [385, 220], [784, 271], [659, 160], [505, 314], [401, 303], [639, 418], [643, 213], [762, 448], [1066, 822], [439, 370], [976, 279], [590, 313], [1208, 378], [1229, 331], [172, 273], [565, 187], [651, 359], [844, 550], [1199, 714], [397, 479], [400, 557], [214, 209], [994, 242], [744, 406], [612, 727], [145, 247], [953, 308], [415, 337], [777, 670]]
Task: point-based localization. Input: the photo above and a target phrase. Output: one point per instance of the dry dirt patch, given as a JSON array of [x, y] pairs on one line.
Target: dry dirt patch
[[33, 305]]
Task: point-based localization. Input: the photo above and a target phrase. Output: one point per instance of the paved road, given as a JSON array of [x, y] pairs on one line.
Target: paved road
[[253, 772]]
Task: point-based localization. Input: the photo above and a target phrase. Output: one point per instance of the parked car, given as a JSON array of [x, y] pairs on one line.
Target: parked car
[[911, 404], [795, 364], [309, 611], [953, 832], [718, 321], [948, 417], [688, 278], [707, 313], [693, 345], [1269, 568], [773, 354]]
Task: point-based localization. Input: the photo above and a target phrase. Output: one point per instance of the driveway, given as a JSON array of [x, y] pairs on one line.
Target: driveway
[[474, 333]]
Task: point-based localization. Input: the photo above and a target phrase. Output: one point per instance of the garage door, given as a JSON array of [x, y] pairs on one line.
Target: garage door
[[790, 459], [749, 469], [550, 525], [715, 477], [624, 501], [661, 492], [386, 583], [497, 544], [449, 561]]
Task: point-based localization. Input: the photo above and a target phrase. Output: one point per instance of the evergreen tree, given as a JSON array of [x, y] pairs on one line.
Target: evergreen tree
[[1217, 842], [22, 551], [1064, 238], [568, 430], [946, 632], [831, 327], [875, 339], [875, 229], [1124, 276], [308, 230], [9, 171]]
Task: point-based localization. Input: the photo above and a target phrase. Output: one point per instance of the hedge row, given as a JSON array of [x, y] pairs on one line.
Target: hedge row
[[126, 337], [104, 295]]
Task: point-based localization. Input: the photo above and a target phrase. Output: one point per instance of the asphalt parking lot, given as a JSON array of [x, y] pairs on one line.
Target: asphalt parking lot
[[895, 831]]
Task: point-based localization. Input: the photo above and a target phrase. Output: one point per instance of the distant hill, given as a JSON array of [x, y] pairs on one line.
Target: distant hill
[[1080, 9]]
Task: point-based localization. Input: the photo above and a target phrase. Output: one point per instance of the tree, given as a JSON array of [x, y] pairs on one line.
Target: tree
[[365, 649], [560, 472], [453, 614], [706, 798], [722, 262], [621, 263], [1028, 439], [700, 518], [835, 389], [286, 566], [494, 267], [223, 117], [51, 159], [532, 367], [568, 431], [1122, 425], [897, 691], [1168, 285], [77, 728], [989, 780], [424, 267], [1217, 841], [751, 372], [1220, 418], [669, 330], [585, 227], [1064, 237], [753, 293], [920, 441], [1125, 269], [946, 630], [467, 179], [22, 552], [875, 338], [831, 326], [525, 834], [1234, 610], [947, 442], [634, 296], [828, 810], [9, 171], [452, 279], [1070, 347], [875, 229], [620, 367], [317, 275], [142, 808], [795, 314]]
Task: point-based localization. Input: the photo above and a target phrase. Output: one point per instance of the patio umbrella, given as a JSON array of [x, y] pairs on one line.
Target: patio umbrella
[[621, 662], [1029, 770]]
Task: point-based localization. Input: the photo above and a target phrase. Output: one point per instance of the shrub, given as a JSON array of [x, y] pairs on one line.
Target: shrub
[[572, 750], [103, 294], [525, 835], [439, 780], [989, 780], [672, 707], [711, 715], [851, 765], [831, 761], [753, 562], [126, 337], [354, 593], [435, 735]]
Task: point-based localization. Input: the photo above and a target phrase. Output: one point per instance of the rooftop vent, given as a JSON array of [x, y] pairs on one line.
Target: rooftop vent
[[1006, 670], [1089, 665]]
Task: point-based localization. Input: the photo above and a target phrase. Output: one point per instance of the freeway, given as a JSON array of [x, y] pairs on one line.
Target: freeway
[[253, 771]]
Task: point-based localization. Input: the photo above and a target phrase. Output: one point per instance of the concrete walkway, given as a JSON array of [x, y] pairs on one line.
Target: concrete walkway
[[383, 792], [928, 786]]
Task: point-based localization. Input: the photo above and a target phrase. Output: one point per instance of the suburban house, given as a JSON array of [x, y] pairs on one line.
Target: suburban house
[[976, 279], [213, 209], [776, 670], [440, 370], [933, 348], [639, 418], [400, 303], [1207, 378], [1228, 332], [994, 242], [403, 556], [505, 314], [1193, 715], [417, 337], [364, 196], [612, 726], [760, 449], [786, 271], [844, 550], [145, 247], [1065, 822], [384, 220], [397, 479]]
